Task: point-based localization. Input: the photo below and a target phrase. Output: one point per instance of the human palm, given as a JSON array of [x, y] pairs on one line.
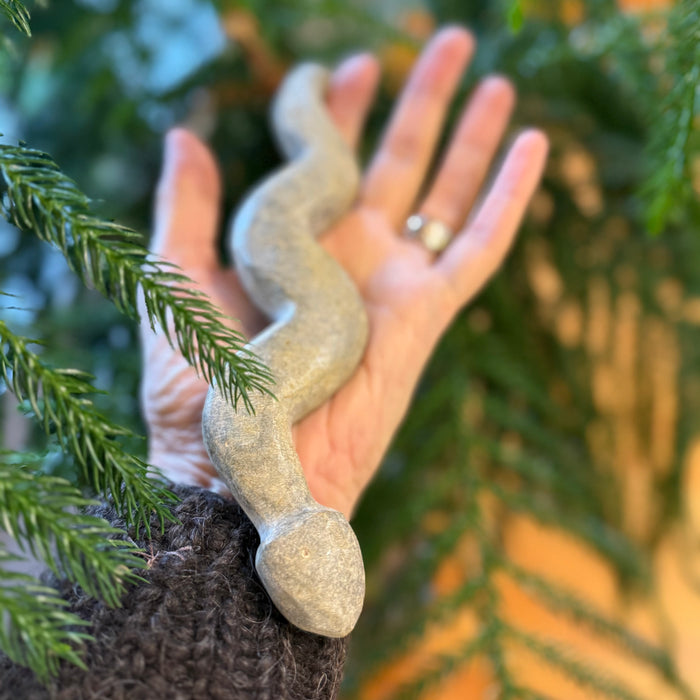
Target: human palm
[[410, 294]]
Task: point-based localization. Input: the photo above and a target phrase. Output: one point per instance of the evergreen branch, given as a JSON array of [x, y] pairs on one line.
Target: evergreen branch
[[400, 640], [582, 674], [58, 400], [491, 612], [110, 258], [445, 665], [670, 153], [562, 601], [613, 545], [527, 694], [38, 511], [408, 586], [373, 24], [17, 13], [515, 16], [497, 363], [35, 628], [567, 485]]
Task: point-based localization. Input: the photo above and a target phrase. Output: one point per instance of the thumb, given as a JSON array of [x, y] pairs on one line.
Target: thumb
[[187, 204]]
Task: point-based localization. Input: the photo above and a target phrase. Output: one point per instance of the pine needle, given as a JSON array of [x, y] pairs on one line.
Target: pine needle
[[37, 631], [569, 605], [58, 400], [17, 13], [444, 665], [584, 675], [668, 189], [39, 198], [43, 514]]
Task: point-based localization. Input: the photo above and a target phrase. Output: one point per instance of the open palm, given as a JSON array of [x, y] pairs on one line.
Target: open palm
[[411, 295]]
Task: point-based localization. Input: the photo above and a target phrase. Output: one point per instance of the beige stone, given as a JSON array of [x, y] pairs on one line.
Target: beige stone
[[309, 559]]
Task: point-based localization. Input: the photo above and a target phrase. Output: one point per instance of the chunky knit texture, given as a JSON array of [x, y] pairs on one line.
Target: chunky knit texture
[[201, 628]]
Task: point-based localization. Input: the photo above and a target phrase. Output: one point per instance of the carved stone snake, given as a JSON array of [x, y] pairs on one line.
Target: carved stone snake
[[309, 560]]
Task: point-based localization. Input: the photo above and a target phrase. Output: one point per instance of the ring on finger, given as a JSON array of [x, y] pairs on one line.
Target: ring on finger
[[435, 235]]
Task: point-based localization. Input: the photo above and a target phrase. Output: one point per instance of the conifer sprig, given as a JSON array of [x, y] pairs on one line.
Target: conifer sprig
[[514, 15], [42, 513], [669, 189], [600, 683], [58, 399], [36, 630], [109, 257], [17, 13], [562, 602]]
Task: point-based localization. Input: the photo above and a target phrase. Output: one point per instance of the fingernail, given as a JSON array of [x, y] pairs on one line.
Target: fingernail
[[454, 32], [357, 62], [497, 85]]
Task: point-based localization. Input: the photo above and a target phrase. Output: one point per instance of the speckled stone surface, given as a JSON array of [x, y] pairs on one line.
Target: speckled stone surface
[[309, 559]]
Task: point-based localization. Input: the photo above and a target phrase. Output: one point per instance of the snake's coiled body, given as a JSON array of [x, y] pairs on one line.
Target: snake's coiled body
[[309, 559]]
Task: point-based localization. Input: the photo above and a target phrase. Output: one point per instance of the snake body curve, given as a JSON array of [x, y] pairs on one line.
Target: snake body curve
[[309, 560]]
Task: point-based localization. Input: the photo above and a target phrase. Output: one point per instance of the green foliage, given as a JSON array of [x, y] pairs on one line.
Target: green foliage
[[591, 87], [584, 675], [43, 514], [17, 13], [447, 663], [58, 400], [38, 198], [38, 631], [110, 257], [499, 426], [675, 140], [516, 17], [567, 604]]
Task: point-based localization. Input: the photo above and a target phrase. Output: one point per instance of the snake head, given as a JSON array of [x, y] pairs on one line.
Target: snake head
[[312, 568]]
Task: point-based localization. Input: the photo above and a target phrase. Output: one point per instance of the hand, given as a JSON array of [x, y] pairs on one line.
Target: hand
[[411, 295]]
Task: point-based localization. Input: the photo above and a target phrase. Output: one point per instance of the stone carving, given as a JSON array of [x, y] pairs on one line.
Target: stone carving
[[309, 559]]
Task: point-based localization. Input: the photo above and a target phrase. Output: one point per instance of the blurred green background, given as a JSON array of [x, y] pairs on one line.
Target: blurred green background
[[533, 530]]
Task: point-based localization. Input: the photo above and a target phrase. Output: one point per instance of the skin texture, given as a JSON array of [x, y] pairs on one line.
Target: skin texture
[[410, 295]]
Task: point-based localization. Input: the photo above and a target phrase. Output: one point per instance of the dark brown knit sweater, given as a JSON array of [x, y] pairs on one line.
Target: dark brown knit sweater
[[202, 627]]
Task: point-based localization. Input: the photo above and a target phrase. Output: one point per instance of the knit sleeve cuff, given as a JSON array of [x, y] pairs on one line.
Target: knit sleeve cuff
[[201, 626]]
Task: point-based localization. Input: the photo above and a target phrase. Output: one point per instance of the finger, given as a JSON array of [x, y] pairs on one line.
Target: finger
[[350, 92], [478, 251], [397, 171], [187, 203], [470, 153]]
